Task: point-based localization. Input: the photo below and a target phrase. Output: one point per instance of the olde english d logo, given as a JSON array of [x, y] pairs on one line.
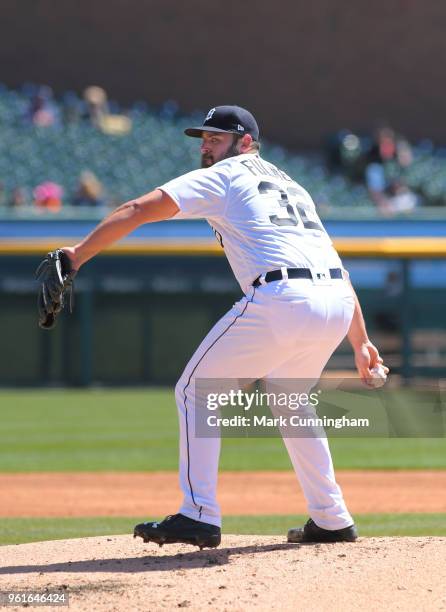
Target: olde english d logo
[[209, 115]]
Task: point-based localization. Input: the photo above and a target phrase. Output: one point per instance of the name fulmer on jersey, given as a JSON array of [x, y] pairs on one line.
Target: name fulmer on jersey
[[259, 167]]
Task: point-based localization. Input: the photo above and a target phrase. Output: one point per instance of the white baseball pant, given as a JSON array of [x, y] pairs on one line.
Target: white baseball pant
[[285, 329]]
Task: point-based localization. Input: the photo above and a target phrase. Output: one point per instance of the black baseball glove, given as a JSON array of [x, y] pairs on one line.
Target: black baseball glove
[[56, 275]]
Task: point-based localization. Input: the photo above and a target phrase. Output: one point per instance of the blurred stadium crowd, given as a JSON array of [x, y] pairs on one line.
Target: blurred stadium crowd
[[74, 153]]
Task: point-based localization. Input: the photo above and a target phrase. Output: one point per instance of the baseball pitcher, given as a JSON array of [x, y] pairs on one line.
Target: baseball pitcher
[[298, 305]]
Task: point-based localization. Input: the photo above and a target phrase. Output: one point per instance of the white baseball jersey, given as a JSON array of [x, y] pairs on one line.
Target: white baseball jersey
[[263, 219]]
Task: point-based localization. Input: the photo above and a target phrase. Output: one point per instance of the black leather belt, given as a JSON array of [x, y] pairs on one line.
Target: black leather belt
[[276, 275]]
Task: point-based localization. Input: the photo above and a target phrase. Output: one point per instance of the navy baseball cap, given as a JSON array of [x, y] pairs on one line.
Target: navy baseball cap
[[232, 119]]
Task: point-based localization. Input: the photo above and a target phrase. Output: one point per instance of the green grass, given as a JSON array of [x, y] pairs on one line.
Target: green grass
[[136, 429], [22, 530]]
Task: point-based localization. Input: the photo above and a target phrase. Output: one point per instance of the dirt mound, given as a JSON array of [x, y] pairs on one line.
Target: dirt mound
[[246, 572]]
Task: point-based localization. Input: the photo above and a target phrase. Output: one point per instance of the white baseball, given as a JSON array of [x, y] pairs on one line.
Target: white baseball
[[379, 376]]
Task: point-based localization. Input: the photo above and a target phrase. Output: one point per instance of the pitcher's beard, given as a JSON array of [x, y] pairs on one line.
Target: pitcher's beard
[[208, 160]]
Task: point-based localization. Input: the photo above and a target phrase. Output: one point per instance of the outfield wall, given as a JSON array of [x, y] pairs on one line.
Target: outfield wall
[[141, 311]]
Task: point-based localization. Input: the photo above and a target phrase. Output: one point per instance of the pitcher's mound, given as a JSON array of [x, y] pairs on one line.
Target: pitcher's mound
[[246, 572]]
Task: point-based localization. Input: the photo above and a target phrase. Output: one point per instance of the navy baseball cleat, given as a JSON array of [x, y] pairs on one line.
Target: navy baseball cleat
[[310, 532], [177, 528]]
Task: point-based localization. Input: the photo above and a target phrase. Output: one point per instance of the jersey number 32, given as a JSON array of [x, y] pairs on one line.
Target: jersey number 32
[[296, 212]]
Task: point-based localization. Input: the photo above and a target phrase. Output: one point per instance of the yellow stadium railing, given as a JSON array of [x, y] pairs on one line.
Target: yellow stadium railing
[[397, 247]]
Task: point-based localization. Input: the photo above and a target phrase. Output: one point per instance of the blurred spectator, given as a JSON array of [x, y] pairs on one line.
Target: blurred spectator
[[48, 196], [19, 197], [388, 147], [89, 191], [381, 163], [345, 152], [42, 111], [386, 161], [96, 100], [97, 104]]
